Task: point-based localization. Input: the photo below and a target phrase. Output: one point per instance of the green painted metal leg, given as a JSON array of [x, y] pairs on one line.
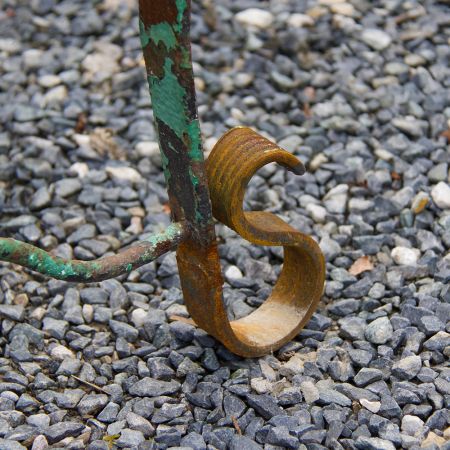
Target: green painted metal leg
[[41, 261]]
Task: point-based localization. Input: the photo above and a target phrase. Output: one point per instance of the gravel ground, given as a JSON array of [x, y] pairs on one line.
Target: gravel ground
[[360, 92]]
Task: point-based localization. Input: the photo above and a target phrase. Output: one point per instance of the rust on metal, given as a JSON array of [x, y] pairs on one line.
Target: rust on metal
[[196, 192], [164, 28], [231, 164], [143, 252]]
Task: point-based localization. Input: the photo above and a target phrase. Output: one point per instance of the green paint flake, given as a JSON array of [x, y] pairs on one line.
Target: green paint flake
[[145, 37], [194, 179], [181, 7], [193, 131], [167, 97], [185, 59], [163, 32], [172, 232]]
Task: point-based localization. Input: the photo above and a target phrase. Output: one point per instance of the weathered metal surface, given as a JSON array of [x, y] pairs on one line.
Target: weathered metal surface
[[231, 164], [143, 252], [164, 29]]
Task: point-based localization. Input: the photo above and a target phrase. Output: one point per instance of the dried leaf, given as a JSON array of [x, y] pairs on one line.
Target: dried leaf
[[110, 439], [102, 141], [236, 425], [81, 123], [446, 134], [91, 385], [174, 317], [361, 265]]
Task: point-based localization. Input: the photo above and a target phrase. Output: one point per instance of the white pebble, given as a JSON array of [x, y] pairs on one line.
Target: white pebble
[[317, 161], [147, 148], [373, 407], [39, 443], [138, 317], [255, 17], [300, 21], [260, 385], [49, 81], [405, 256], [309, 391], [441, 195], [345, 9], [32, 58], [411, 425], [98, 62], [88, 313], [124, 174], [317, 212], [81, 169], [377, 39], [233, 273], [60, 352], [56, 95]]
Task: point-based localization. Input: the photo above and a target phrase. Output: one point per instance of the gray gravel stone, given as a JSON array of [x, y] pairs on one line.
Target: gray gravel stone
[[376, 185], [379, 331], [61, 430], [12, 312], [90, 404], [129, 438], [265, 405], [407, 368], [8, 444], [148, 387], [368, 443]]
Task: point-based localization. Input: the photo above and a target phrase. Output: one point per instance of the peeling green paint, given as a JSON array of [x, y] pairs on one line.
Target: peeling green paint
[[186, 59], [172, 90], [181, 7], [145, 37], [167, 96], [163, 32], [198, 216], [172, 232], [194, 179], [40, 261], [193, 131]]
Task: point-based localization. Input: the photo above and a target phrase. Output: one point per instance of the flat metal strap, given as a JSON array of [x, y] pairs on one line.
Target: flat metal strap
[[295, 296]]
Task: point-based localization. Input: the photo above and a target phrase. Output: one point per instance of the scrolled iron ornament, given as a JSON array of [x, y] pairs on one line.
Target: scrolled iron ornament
[[197, 191]]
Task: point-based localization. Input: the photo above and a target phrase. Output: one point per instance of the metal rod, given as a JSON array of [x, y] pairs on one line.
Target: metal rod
[[164, 29], [143, 252]]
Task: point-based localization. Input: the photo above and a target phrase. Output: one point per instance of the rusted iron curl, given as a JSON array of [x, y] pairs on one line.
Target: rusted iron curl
[[197, 191], [233, 161]]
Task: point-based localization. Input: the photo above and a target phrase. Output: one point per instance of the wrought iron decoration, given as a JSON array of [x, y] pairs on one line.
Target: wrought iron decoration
[[197, 191]]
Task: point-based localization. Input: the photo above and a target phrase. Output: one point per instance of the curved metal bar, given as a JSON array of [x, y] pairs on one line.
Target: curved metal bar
[[233, 161], [143, 252]]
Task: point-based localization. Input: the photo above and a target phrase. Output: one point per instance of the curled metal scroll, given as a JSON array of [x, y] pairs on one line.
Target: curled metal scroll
[[197, 191], [231, 164]]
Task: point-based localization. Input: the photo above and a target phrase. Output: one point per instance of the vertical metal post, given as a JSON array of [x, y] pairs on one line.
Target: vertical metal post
[[164, 29]]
